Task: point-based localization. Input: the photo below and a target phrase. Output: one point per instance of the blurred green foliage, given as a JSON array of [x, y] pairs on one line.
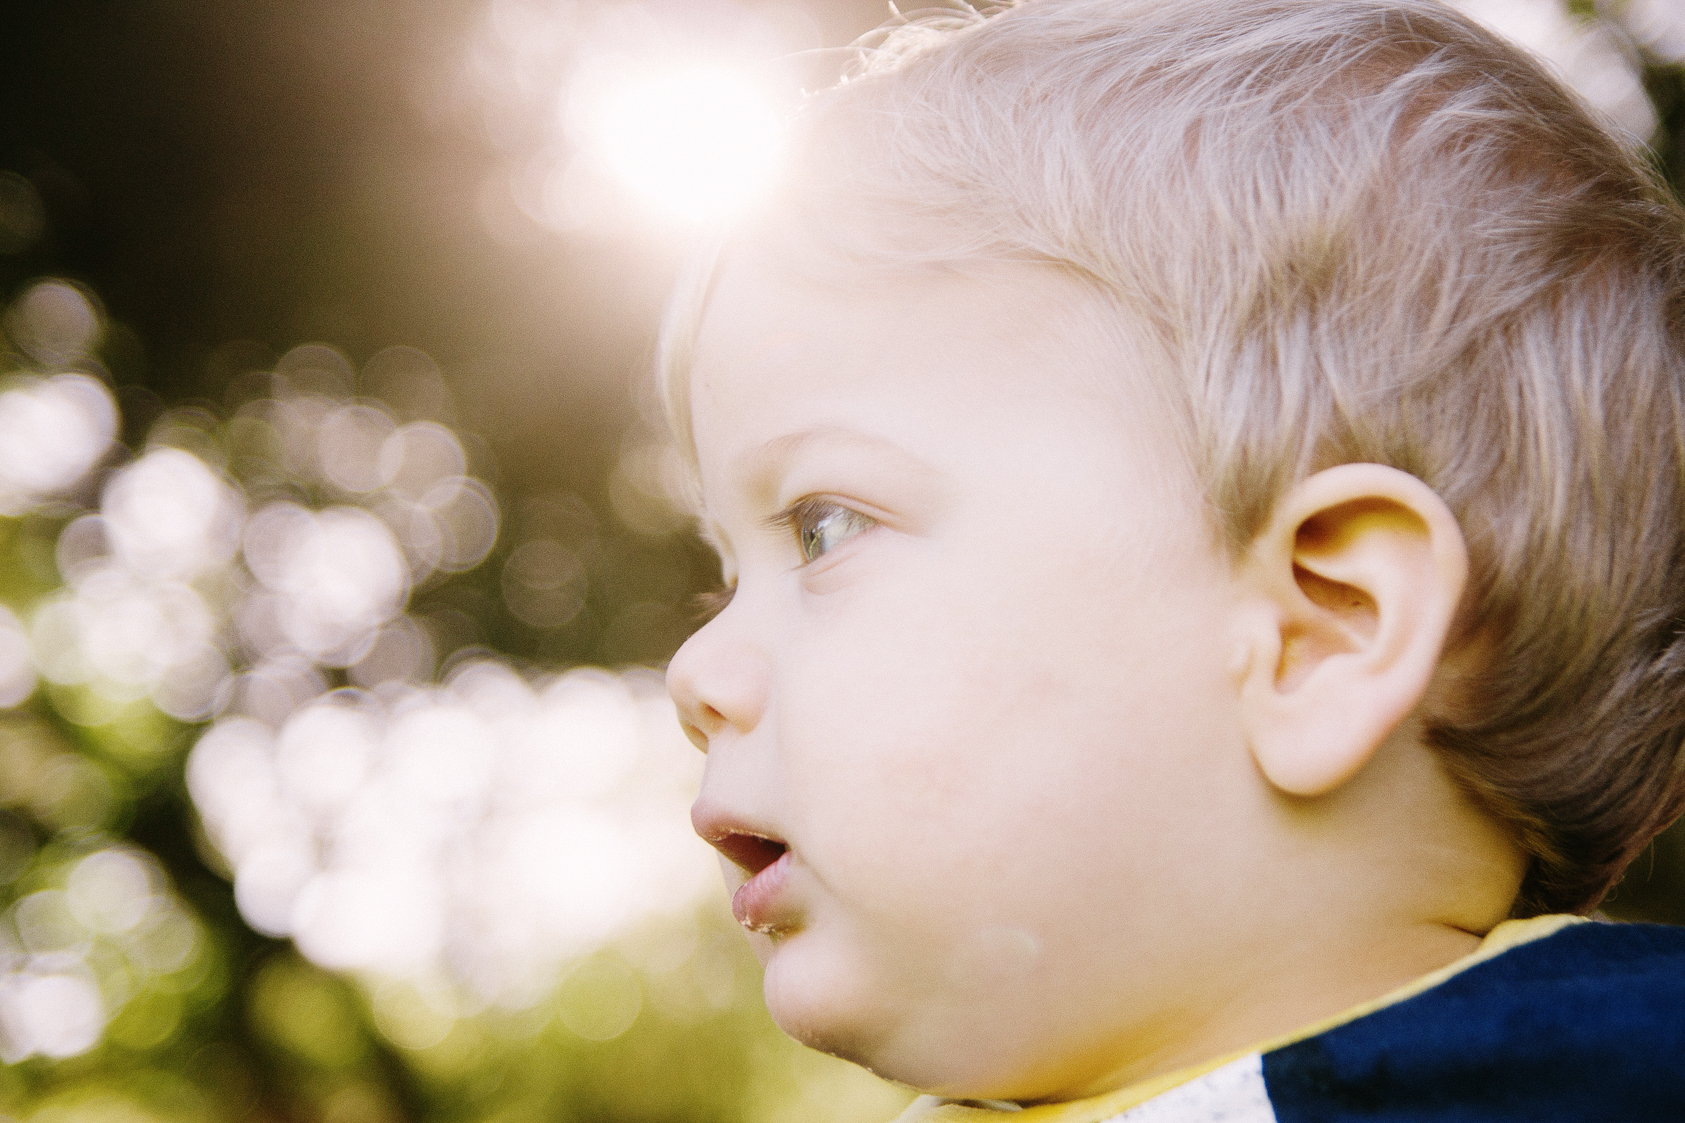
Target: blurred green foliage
[[177, 1010]]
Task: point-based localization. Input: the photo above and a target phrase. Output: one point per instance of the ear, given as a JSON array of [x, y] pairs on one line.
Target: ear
[[1356, 582]]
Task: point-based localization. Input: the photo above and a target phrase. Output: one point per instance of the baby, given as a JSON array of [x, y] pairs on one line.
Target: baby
[[1201, 489]]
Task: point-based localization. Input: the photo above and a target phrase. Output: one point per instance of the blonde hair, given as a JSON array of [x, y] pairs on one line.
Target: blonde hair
[[1359, 231]]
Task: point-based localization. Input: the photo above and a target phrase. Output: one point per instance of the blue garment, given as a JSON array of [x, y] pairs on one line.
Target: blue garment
[[1585, 1024]]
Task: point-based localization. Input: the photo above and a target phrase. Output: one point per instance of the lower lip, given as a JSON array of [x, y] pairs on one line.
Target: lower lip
[[755, 904]]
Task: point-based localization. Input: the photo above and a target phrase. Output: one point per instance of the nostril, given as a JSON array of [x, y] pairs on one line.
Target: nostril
[[700, 722], [718, 684]]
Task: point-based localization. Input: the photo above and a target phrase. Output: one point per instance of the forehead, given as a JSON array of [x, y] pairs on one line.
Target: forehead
[[820, 339], [976, 371]]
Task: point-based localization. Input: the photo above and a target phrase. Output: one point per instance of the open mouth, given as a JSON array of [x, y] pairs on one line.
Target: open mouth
[[749, 851], [761, 903]]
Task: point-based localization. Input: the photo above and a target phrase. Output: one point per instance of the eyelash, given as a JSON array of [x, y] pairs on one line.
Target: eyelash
[[800, 519], [713, 602], [807, 518]]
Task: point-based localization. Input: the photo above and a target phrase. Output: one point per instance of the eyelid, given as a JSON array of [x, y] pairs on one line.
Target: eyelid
[[791, 519], [807, 504]]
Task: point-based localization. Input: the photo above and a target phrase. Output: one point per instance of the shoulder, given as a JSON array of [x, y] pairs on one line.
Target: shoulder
[[1587, 1023]]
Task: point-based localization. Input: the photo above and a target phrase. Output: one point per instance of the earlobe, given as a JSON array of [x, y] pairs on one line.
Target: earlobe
[[1356, 582]]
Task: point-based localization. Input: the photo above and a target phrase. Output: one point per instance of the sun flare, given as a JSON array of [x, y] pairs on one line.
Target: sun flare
[[696, 143]]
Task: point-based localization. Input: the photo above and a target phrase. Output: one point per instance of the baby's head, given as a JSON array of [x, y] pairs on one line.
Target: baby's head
[[1202, 484]]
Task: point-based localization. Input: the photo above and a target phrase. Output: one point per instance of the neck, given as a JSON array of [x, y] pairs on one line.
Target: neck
[[1356, 894]]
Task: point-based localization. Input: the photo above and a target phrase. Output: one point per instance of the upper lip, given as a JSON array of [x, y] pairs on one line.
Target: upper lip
[[748, 847]]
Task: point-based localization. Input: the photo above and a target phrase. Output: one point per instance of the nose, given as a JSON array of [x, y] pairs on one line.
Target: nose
[[719, 682]]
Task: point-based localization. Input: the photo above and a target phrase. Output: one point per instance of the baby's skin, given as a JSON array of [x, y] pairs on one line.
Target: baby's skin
[[1026, 788]]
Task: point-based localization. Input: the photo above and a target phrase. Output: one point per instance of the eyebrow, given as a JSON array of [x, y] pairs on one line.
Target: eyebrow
[[761, 466]]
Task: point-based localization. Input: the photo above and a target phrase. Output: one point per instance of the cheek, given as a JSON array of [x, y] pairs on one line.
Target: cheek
[[912, 721], [886, 742], [953, 719]]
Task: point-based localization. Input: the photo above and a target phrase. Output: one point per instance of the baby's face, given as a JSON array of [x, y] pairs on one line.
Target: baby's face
[[970, 715]]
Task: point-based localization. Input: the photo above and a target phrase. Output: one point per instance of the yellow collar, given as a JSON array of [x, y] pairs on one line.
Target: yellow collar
[[929, 1109]]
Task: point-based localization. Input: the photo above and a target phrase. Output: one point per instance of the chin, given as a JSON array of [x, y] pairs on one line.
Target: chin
[[827, 1006], [843, 1012]]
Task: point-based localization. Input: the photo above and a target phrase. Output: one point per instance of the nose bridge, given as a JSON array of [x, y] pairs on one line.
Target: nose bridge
[[719, 680]]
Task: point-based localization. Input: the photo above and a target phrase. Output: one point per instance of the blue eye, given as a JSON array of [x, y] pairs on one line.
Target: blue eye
[[821, 525]]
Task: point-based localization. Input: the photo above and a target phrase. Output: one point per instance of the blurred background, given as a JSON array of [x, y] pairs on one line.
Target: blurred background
[[337, 571]]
